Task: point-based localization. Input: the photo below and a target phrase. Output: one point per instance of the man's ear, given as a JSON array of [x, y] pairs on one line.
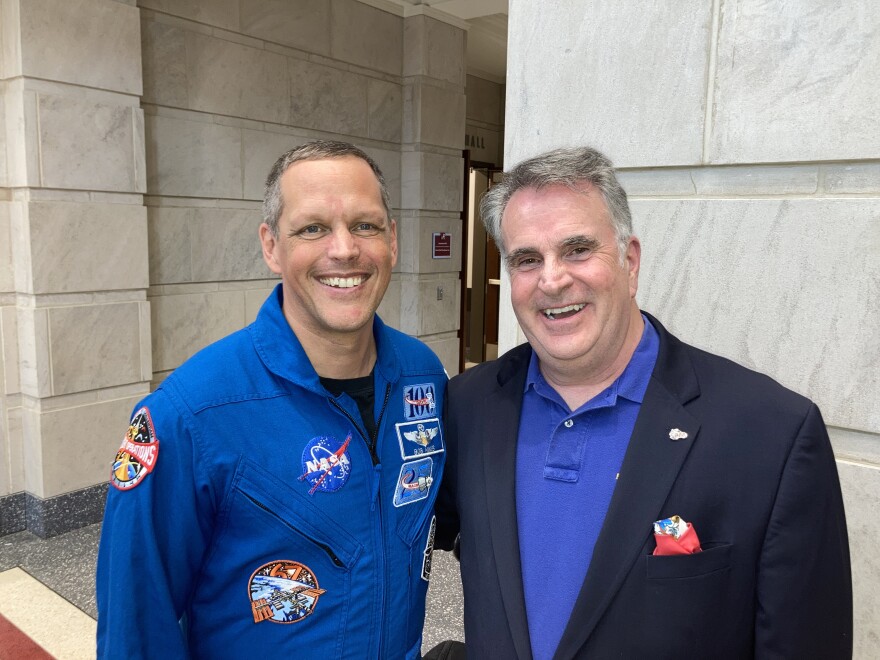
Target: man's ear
[[633, 262], [393, 243], [269, 244]]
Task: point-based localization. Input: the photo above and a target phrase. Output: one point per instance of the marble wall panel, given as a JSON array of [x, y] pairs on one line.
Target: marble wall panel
[[384, 110], [184, 323], [774, 285], [580, 86], [485, 100], [260, 150], [447, 350], [231, 79], [11, 474], [366, 36], [327, 99], [7, 272], [761, 180], [217, 13], [164, 57], [95, 346], [10, 39], [193, 159], [389, 164], [10, 355], [415, 236], [4, 169], [87, 145], [33, 351], [170, 246], [433, 48], [225, 245], [438, 116], [78, 444], [87, 247], [22, 134], [205, 245], [86, 42], [431, 181], [389, 308], [852, 178], [303, 24], [420, 311], [819, 99], [657, 183], [861, 497]]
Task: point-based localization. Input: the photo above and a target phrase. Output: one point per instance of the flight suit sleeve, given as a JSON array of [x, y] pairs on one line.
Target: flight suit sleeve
[[157, 523], [804, 594]]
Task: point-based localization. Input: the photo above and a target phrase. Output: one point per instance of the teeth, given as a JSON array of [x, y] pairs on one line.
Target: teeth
[[553, 312], [342, 282]]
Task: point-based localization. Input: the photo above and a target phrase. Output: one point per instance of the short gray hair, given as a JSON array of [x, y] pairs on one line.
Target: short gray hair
[[567, 167], [273, 202]]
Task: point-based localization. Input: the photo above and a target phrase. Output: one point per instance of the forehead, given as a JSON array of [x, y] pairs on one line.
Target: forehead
[[553, 212], [320, 180]]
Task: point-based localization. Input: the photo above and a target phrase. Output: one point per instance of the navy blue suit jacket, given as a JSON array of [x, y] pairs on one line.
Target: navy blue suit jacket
[[755, 476]]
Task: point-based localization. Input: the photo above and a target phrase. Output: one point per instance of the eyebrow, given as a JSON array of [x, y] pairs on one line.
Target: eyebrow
[[578, 241], [581, 241]]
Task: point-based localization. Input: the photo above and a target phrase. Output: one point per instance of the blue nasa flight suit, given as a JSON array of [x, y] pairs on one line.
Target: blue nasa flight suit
[[247, 516]]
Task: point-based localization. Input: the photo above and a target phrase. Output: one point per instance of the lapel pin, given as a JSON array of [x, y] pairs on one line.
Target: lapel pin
[[677, 434]]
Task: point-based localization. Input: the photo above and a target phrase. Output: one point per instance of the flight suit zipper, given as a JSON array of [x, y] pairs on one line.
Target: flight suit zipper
[[372, 444]]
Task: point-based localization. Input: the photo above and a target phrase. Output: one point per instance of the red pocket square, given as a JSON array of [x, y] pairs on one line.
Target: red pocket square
[[674, 536]]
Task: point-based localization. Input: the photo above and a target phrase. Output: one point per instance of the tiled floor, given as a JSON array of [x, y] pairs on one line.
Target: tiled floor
[[53, 581]]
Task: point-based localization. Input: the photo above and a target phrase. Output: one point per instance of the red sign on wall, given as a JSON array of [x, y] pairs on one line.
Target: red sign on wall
[[442, 246]]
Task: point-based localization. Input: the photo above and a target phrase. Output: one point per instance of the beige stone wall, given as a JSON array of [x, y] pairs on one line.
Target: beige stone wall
[[230, 86], [749, 136], [135, 138], [74, 321]]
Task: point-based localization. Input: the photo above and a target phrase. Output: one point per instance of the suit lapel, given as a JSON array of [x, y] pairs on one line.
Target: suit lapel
[[500, 423], [650, 467]]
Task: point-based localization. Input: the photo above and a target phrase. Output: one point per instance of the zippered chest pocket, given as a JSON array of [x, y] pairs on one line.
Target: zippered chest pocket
[[274, 560]]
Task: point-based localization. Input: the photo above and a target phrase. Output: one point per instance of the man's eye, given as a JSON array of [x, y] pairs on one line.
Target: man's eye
[[525, 262], [311, 231], [366, 228]]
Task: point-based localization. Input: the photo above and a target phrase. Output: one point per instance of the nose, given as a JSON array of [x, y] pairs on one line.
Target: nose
[[554, 276], [343, 245]]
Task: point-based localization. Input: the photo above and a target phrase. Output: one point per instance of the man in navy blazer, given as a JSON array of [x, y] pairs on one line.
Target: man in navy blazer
[[565, 452]]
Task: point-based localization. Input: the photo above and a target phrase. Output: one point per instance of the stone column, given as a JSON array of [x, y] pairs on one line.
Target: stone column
[[73, 255], [749, 135], [431, 181]]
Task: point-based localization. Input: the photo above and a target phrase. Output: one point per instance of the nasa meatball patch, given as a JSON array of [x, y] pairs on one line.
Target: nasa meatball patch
[[326, 464], [283, 591], [137, 456]]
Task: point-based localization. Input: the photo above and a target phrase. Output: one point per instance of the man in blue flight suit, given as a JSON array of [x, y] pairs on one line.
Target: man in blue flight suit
[[275, 494]]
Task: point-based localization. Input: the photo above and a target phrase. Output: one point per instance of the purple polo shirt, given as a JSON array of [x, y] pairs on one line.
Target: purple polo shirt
[[566, 468]]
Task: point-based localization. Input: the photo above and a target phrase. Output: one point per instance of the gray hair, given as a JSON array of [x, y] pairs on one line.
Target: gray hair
[[567, 167], [273, 202]]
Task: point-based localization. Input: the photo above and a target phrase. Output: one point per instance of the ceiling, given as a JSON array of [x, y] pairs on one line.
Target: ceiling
[[487, 32]]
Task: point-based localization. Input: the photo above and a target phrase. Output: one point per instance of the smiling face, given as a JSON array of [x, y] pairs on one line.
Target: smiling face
[[572, 296], [335, 248]]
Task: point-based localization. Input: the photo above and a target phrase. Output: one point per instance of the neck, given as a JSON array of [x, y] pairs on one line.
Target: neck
[[578, 382], [339, 355]]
